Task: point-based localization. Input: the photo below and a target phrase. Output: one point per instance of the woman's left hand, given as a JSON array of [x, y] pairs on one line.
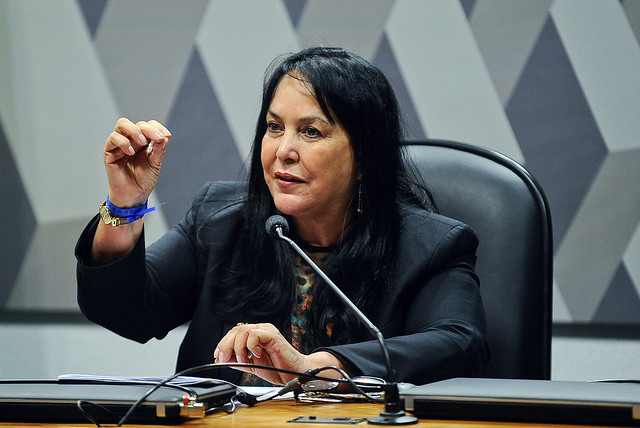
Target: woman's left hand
[[263, 344]]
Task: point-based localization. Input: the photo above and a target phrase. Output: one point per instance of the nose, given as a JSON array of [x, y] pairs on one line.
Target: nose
[[288, 149]]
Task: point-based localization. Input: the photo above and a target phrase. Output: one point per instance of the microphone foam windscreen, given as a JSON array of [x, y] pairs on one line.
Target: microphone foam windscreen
[[274, 222]]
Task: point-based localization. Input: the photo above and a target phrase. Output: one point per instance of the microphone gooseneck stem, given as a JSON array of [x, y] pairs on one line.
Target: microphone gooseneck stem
[[352, 307], [393, 414]]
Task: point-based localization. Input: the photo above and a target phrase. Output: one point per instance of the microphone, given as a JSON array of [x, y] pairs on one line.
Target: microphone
[[274, 223], [394, 414]]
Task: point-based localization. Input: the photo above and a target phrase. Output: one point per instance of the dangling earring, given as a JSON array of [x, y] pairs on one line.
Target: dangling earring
[[359, 196]]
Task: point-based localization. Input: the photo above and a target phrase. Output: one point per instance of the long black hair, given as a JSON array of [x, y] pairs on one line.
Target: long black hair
[[261, 279]]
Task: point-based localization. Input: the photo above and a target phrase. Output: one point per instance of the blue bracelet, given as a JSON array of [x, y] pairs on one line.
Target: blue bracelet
[[131, 214]]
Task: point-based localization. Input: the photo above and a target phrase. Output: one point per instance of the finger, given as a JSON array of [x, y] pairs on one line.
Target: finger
[[166, 133], [132, 133], [156, 151], [224, 348], [117, 146], [163, 129], [240, 343], [223, 355], [259, 336], [154, 131], [257, 339]]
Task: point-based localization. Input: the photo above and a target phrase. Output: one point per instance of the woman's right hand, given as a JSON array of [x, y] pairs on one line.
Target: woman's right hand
[[132, 162]]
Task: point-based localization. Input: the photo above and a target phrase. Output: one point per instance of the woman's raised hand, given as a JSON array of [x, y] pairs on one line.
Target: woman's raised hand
[[133, 157]]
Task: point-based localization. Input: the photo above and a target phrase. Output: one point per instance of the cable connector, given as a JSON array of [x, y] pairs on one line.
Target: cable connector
[[191, 408]]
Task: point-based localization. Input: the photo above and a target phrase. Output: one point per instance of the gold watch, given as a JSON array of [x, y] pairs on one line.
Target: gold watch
[[109, 218]]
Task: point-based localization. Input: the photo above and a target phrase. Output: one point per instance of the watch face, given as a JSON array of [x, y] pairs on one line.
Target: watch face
[[105, 214]]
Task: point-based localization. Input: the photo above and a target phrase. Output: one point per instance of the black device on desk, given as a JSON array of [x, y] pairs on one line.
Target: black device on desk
[[104, 402], [517, 400]]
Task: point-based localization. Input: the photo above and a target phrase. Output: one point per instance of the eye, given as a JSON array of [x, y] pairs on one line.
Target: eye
[[273, 127], [311, 132]]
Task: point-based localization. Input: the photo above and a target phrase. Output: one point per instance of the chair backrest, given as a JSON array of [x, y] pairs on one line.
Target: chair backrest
[[508, 210]]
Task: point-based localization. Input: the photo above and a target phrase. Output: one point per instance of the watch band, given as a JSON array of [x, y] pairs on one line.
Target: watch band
[[109, 218], [116, 216]]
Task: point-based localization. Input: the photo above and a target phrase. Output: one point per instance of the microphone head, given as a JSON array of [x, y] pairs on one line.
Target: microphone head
[[274, 222]]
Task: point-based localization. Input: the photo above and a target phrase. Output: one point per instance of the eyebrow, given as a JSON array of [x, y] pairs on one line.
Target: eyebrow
[[304, 120]]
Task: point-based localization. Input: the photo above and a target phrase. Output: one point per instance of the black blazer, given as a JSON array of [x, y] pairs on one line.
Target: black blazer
[[432, 318]]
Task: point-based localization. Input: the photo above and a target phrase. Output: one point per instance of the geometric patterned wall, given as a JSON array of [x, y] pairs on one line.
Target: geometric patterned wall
[[554, 84]]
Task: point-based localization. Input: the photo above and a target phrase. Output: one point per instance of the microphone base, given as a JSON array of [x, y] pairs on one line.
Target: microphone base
[[395, 418], [393, 413]]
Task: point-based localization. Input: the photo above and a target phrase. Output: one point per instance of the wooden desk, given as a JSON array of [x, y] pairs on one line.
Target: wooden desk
[[277, 413]]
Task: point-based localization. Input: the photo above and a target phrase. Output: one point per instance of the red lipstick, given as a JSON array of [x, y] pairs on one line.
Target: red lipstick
[[287, 180]]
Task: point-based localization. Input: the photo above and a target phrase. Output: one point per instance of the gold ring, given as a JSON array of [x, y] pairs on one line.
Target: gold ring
[[240, 324]]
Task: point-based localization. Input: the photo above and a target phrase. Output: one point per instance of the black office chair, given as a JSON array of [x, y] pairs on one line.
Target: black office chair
[[508, 210]]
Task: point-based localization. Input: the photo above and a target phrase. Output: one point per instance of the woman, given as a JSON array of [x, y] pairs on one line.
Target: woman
[[326, 154]]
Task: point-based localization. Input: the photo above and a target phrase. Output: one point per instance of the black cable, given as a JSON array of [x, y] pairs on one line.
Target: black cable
[[224, 407], [246, 398], [87, 415]]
